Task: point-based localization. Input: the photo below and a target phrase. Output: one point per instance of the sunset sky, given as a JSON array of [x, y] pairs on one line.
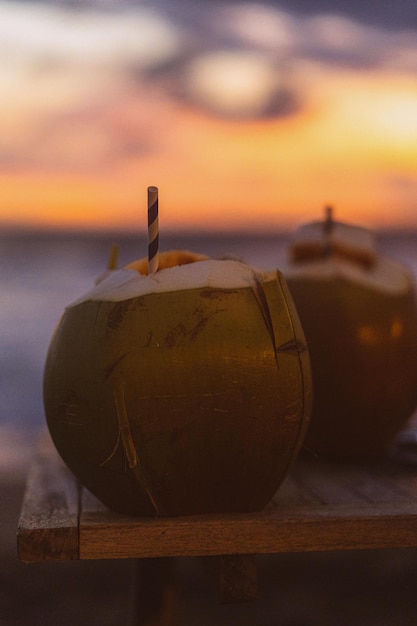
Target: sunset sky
[[246, 115]]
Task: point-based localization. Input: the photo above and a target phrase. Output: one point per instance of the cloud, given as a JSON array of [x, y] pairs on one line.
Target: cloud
[[258, 25], [238, 84], [35, 33], [91, 137], [105, 71], [217, 74], [401, 14]]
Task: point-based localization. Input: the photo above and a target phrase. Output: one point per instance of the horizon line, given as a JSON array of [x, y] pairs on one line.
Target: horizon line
[[21, 230]]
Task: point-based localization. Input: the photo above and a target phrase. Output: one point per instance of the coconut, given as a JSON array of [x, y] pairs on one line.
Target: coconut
[[359, 314], [187, 391]]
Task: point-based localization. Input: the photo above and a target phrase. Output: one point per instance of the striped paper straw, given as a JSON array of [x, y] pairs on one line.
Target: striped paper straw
[[153, 230], [328, 220], [328, 227]]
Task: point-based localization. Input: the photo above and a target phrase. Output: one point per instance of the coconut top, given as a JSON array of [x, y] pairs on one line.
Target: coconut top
[[329, 238], [124, 284], [384, 275]]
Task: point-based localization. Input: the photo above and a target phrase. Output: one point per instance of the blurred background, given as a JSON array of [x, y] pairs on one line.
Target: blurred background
[[247, 115], [250, 117]]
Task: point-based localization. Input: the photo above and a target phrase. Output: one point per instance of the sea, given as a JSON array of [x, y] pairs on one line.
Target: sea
[[42, 272]]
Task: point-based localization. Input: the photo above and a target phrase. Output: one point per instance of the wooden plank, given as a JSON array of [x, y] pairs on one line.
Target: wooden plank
[[48, 523], [319, 507], [347, 483], [340, 527], [292, 493], [402, 479]]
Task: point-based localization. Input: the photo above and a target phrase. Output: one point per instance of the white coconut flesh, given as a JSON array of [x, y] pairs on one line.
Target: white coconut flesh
[[125, 284], [385, 276], [341, 240], [346, 253]]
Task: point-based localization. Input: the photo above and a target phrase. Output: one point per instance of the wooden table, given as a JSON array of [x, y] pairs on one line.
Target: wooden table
[[320, 506]]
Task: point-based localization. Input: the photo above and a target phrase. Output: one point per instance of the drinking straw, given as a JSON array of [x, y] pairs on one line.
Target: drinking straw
[[153, 230], [328, 222], [328, 227]]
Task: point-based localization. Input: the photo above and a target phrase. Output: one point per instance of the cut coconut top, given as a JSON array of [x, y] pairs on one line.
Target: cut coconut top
[[384, 275], [124, 284], [320, 239]]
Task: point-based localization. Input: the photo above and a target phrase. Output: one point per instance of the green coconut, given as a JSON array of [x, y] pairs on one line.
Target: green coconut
[[184, 392], [359, 314]]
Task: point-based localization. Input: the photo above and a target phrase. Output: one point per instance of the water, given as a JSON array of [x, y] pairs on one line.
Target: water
[[41, 273]]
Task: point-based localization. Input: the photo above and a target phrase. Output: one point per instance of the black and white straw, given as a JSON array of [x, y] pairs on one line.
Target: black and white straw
[[153, 230]]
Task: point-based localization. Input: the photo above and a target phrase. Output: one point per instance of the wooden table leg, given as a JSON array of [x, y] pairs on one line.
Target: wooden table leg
[[154, 597], [238, 578]]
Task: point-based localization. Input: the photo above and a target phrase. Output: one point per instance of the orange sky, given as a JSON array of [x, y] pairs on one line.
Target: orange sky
[[352, 144]]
